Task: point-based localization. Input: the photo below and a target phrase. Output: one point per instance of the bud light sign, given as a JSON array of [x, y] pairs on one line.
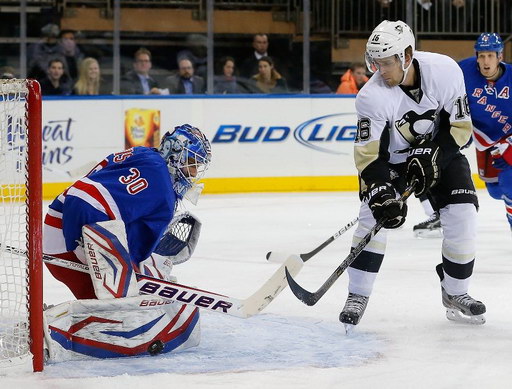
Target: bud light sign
[[321, 133]]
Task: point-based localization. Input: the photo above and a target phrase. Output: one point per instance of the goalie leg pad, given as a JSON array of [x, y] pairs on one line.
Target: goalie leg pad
[[110, 265], [132, 326]]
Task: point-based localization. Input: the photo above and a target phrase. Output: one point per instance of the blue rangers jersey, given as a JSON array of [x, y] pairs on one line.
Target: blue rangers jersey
[[133, 186], [489, 102]]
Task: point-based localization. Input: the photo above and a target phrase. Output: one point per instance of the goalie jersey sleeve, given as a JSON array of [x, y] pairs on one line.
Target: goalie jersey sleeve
[[391, 119], [133, 186], [490, 104]]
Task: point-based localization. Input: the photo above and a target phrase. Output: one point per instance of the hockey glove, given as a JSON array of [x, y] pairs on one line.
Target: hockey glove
[[384, 204], [502, 155], [423, 165], [157, 266], [180, 238]]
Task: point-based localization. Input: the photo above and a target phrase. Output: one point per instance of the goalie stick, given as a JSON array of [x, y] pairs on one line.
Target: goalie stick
[[280, 257], [311, 298], [241, 308]]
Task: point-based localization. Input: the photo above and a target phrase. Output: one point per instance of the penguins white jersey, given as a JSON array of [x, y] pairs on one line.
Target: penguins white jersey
[[391, 119]]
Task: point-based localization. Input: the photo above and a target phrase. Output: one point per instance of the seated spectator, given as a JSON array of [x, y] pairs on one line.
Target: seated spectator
[[353, 80], [226, 83], [185, 82], [138, 81], [57, 82], [39, 54], [89, 78], [7, 73], [196, 53], [260, 44], [69, 50], [268, 80]]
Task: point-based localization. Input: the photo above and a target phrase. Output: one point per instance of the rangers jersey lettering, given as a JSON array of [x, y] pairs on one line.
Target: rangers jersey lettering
[[490, 103], [133, 186], [391, 119]]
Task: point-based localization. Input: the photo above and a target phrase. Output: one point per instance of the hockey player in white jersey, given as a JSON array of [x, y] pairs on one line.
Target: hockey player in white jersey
[[413, 119]]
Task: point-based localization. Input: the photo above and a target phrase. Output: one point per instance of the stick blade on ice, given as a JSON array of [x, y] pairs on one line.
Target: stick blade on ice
[[302, 294]]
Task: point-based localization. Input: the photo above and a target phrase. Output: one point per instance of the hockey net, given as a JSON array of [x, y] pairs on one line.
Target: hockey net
[[21, 330]]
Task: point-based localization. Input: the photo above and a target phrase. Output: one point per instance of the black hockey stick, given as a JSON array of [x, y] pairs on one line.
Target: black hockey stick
[[311, 298], [276, 256]]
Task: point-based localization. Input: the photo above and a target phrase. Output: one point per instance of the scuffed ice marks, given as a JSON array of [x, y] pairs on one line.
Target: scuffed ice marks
[[263, 342]]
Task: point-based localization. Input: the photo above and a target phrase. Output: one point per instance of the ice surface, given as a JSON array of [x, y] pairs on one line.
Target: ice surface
[[403, 341]]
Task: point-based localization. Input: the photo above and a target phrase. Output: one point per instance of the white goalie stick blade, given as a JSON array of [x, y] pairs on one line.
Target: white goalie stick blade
[[241, 308], [79, 171], [455, 315]]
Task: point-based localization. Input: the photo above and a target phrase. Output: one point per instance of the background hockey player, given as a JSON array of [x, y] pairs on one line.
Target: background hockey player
[[120, 220], [412, 121], [488, 83]]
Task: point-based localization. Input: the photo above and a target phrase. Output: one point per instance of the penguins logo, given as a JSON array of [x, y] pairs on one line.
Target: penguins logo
[[413, 125]]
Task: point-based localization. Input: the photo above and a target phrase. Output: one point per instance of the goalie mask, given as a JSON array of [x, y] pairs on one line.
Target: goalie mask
[[389, 39], [188, 154]]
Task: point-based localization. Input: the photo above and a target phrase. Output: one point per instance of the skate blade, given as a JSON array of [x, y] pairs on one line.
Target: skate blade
[[428, 234], [349, 328], [454, 315]]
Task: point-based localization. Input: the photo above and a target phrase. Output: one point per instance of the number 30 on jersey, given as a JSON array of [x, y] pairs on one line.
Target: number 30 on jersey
[[133, 181]]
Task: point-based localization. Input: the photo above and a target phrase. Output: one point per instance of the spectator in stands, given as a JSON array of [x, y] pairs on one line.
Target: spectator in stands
[[138, 81], [185, 82], [353, 79], [226, 82], [89, 78], [196, 53], [250, 65], [268, 79], [384, 3], [39, 54], [56, 82], [69, 50], [7, 72]]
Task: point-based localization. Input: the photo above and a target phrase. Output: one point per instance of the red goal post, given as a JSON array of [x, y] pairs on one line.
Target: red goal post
[[21, 277]]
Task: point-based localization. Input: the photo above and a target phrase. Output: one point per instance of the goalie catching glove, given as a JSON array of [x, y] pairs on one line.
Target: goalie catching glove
[[384, 204], [180, 238], [176, 246], [423, 166]]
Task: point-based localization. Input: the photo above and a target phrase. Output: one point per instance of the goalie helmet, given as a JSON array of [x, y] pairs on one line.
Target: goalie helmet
[[489, 42], [188, 155], [389, 39]]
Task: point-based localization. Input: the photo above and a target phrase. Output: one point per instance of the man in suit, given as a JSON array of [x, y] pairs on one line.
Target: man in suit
[[250, 65], [138, 81], [185, 82]]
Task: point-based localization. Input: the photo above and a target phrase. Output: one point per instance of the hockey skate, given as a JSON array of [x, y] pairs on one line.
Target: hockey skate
[[462, 308], [353, 310], [430, 228]]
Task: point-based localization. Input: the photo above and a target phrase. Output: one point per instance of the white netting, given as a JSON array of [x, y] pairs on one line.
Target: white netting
[[14, 334]]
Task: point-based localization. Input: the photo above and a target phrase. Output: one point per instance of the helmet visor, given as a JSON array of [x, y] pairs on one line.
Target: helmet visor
[[380, 63]]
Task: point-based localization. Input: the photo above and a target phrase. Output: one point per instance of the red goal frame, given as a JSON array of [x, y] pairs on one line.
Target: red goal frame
[[34, 201]]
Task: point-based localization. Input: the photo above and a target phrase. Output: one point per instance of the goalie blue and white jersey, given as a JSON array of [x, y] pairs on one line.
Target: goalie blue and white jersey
[[391, 119], [133, 186], [490, 103]]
